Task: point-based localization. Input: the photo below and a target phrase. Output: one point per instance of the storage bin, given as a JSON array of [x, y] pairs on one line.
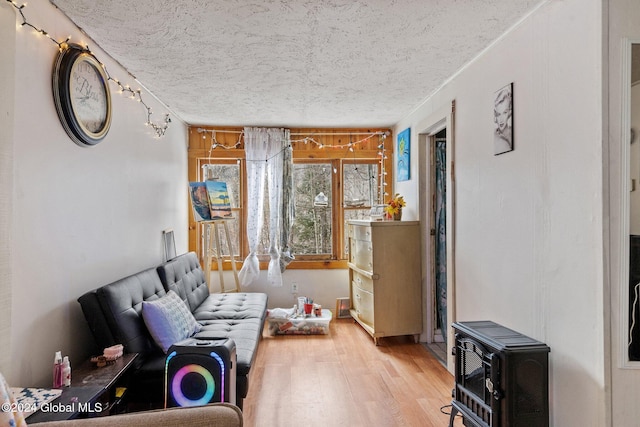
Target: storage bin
[[301, 325]]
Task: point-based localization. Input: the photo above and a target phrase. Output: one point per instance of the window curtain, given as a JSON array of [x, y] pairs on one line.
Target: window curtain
[[265, 150], [288, 211]]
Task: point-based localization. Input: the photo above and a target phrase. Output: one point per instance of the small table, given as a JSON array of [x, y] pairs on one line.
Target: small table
[[89, 384]]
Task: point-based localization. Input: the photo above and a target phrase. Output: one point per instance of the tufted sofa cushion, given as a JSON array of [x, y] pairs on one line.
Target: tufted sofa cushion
[[95, 319], [232, 306], [121, 302], [246, 333], [184, 276]]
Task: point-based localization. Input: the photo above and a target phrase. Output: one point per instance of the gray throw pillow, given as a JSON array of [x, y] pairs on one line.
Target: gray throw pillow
[[169, 320]]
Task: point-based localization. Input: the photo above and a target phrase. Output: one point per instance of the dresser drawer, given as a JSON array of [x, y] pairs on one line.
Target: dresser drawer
[[363, 304], [363, 282], [362, 254], [360, 232]]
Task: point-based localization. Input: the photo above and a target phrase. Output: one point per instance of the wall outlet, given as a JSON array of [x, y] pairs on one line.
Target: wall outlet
[[294, 288]]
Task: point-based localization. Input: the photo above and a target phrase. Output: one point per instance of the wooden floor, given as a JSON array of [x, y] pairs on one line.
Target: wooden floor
[[343, 379]]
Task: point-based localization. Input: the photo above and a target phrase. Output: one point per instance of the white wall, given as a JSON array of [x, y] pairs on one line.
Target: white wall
[[7, 67], [82, 217], [529, 222], [624, 16]]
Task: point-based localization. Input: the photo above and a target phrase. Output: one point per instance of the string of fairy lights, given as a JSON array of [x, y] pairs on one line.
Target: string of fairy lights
[[134, 94], [309, 139], [160, 129]]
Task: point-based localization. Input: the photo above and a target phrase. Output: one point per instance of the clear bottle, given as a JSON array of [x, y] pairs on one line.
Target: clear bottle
[[66, 372], [57, 370]]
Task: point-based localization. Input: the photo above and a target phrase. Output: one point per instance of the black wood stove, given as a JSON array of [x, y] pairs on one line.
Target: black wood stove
[[502, 377]]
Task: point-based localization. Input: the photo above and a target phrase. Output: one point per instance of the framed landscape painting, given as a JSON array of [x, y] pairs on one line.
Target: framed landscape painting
[[219, 201]]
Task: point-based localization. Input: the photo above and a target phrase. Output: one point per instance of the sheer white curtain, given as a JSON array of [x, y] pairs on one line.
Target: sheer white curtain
[[288, 208], [274, 179], [264, 148]]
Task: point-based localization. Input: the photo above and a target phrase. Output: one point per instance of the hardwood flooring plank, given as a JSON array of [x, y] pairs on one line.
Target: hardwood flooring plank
[[344, 379]]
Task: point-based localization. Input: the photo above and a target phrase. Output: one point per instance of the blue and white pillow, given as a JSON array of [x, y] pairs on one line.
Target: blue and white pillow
[[169, 320]]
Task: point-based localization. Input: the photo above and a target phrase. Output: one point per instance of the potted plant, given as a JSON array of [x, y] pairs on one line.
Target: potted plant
[[394, 207]]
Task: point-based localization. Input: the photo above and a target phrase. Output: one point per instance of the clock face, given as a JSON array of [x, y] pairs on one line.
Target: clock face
[[88, 95], [81, 95]]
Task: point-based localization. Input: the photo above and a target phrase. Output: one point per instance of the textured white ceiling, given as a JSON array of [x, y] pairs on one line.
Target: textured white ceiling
[[294, 63]]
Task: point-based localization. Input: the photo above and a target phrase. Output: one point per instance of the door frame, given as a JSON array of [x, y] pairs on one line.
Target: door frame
[[441, 119]]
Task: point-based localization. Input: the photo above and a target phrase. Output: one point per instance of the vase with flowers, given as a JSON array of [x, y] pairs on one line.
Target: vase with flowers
[[393, 209]]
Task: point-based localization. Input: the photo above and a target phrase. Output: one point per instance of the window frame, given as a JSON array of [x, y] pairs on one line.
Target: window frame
[[333, 256], [331, 146]]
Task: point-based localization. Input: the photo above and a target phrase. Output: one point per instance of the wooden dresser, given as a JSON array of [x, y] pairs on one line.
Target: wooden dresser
[[385, 277]]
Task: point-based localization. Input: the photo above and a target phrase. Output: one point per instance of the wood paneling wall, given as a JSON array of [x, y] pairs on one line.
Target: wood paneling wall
[[329, 144]]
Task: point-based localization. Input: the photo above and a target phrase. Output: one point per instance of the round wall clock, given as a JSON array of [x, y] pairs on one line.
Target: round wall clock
[[81, 95]]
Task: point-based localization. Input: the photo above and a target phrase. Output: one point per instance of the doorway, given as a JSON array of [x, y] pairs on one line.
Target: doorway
[[632, 291], [439, 231], [437, 300], [436, 143]]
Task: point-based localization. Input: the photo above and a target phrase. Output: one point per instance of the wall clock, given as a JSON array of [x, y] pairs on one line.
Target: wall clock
[[81, 95]]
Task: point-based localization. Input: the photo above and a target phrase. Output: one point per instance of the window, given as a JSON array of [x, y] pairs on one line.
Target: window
[[311, 236], [361, 191], [333, 183]]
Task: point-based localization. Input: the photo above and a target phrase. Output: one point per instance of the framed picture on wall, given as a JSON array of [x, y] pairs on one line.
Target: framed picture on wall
[[169, 244], [503, 120], [404, 154]]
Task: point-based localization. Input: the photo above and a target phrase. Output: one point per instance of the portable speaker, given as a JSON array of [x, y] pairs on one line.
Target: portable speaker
[[198, 372]]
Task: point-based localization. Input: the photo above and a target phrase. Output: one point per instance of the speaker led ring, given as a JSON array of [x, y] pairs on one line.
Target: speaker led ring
[[183, 400]]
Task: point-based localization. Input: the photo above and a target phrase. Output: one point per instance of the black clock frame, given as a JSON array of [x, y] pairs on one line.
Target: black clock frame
[[62, 67]]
